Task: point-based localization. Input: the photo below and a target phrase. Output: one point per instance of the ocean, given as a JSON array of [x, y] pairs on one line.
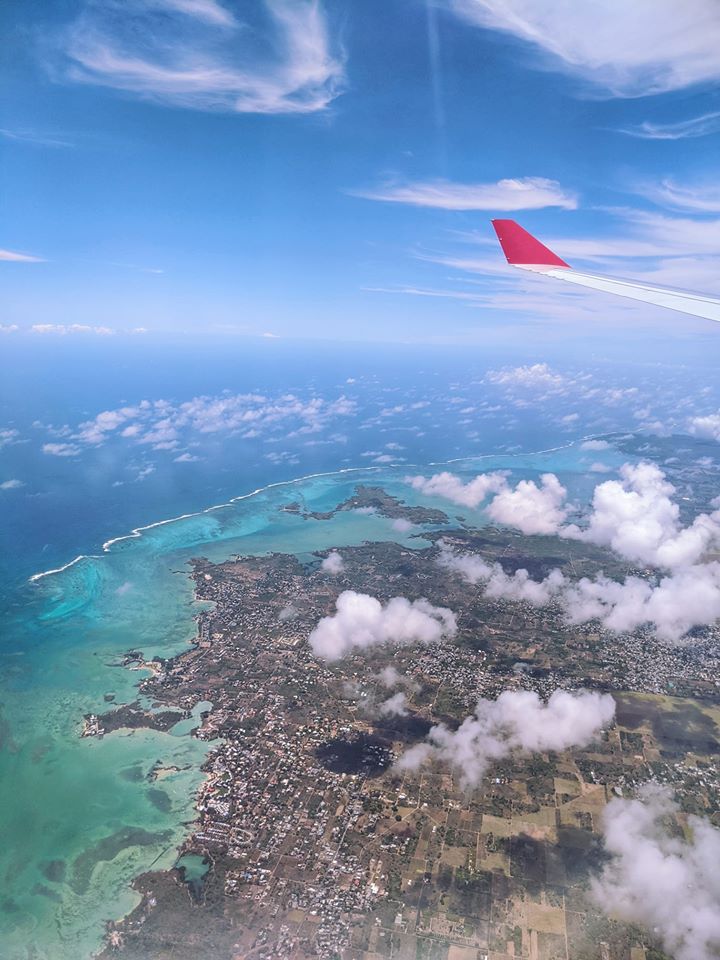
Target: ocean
[[81, 817]]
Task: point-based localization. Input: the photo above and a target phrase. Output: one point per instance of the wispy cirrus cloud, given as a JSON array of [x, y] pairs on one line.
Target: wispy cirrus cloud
[[12, 256], [625, 49], [702, 126], [197, 54], [34, 137], [693, 198], [520, 193]]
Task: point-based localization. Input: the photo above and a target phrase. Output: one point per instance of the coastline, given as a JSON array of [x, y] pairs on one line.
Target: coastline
[[112, 937], [137, 532], [193, 642]]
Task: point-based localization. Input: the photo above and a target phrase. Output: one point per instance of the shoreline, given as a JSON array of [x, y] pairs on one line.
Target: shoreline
[[137, 532], [109, 941]]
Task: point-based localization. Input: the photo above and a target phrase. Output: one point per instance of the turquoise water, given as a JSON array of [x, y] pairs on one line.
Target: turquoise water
[[79, 816]]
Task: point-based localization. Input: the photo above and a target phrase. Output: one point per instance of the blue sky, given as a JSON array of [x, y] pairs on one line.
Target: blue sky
[[328, 170]]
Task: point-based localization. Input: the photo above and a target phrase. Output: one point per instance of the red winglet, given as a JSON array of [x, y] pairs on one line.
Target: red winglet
[[521, 247]]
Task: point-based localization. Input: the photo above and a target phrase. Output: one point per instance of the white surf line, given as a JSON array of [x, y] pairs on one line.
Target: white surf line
[[138, 531], [532, 453], [47, 573]]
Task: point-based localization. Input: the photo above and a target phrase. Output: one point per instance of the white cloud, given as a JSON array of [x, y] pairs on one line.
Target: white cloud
[[391, 677], [161, 424], [402, 525], [699, 198], [636, 518], [517, 722], [62, 329], [671, 605], [672, 236], [208, 10], [61, 449], [32, 136], [626, 49], [362, 621], [523, 193], [498, 584], [531, 508], [333, 563], [594, 445], [288, 612], [451, 487], [12, 256], [668, 881], [687, 598], [634, 515], [535, 375], [701, 126], [196, 54], [8, 435], [394, 706], [11, 485], [707, 426]]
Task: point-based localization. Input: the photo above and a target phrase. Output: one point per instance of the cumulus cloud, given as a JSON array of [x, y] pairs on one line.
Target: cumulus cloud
[[61, 449], [333, 563], [196, 54], [634, 515], [361, 621], [707, 427], [500, 585], [533, 375], [625, 49], [8, 435], [394, 706], [522, 193], [63, 329], [636, 518], [11, 485], [162, 424], [672, 605], [451, 487], [663, 880], [531, 508], [517, 722], [594, 445]]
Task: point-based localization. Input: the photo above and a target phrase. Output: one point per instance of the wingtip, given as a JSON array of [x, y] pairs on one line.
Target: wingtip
[[522, 248]]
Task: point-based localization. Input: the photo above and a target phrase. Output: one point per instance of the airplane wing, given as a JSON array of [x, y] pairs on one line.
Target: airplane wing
[[522, 250]]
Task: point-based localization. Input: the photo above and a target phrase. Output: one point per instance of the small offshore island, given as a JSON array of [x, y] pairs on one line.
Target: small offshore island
[[309, 843]]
